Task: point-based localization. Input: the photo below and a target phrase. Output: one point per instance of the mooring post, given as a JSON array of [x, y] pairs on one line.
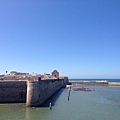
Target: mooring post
[[69, 93], [70, 88], [50, 105], [68, 97]]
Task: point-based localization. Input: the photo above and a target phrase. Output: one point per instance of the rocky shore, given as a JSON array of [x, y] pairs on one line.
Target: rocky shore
[[82, 89]]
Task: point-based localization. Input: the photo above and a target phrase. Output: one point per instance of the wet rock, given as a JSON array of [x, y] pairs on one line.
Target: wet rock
[[82, 89]]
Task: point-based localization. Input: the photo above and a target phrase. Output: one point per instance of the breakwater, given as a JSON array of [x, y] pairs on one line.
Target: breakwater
[[90, 83], [96, 83]]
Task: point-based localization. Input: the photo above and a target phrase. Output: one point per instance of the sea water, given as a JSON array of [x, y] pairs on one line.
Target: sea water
[[102, 103]]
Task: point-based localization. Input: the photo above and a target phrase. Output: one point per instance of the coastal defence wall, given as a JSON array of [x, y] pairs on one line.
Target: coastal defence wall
[[34, 93], [13, 91], [39, 91]]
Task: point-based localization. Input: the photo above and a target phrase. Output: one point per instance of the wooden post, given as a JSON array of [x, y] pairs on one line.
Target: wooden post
[[69, 93], [70, 88], [50, 105], [68, 98]]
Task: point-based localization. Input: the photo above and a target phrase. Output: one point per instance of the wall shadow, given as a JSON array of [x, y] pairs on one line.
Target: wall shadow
[[52, 99]]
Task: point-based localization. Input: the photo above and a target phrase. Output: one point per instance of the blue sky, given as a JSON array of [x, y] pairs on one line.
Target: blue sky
[[79, 38]]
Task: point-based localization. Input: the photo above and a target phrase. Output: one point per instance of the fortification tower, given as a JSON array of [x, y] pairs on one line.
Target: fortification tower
[[55, 73]]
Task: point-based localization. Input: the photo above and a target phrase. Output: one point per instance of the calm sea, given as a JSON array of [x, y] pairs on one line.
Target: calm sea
[[103, 103]]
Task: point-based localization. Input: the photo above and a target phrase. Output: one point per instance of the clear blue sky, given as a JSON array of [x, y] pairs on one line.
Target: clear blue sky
[[79, 38]]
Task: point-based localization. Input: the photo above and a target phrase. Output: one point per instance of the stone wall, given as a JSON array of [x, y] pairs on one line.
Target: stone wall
[[39, 91], [13, 91], [32, 92]]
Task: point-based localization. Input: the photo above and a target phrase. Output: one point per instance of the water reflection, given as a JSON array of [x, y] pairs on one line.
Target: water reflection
[[42, 112], [52, 99]]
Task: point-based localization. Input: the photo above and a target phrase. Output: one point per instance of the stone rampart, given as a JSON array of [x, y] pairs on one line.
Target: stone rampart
[[39, 91], [32, 92], [13, 91]]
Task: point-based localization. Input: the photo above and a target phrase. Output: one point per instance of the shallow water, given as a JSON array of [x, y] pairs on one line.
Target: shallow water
[[103, 103]]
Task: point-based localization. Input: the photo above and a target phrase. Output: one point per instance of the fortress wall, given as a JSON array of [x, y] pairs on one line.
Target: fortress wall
[[39, 91], [65, 81], [32, 92], [13, 91]]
